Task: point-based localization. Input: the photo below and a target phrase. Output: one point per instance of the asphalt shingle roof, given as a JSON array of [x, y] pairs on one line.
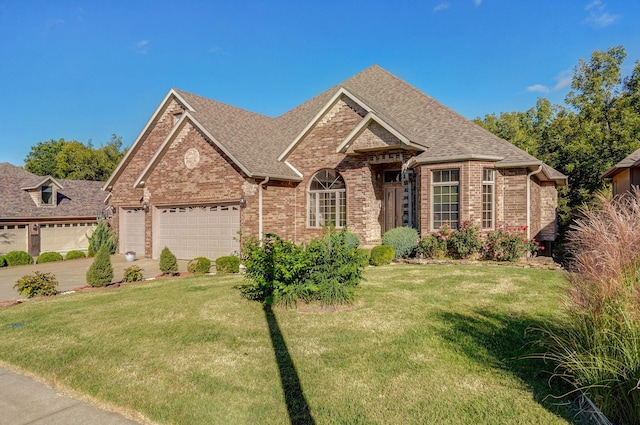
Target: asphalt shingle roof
[[257, 141], [628, 162], [77, 198]]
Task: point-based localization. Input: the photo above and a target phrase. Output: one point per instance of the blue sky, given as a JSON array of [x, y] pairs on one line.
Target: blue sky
[[83, 70]]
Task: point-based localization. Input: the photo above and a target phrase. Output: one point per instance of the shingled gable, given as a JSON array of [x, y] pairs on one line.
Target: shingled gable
[[632, 160]]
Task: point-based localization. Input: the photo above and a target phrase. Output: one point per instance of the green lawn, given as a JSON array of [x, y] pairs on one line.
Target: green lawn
[[423, 344]]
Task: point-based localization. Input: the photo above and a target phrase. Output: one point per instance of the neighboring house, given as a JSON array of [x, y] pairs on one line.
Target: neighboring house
[[40, 214], [625, 174], [372, 153]]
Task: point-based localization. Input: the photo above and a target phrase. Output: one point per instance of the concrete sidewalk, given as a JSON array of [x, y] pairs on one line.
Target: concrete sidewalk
[[72, 274], [24, 400]]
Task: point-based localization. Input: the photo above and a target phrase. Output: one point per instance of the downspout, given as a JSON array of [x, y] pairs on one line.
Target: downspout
[[529, 199], [262, 183]]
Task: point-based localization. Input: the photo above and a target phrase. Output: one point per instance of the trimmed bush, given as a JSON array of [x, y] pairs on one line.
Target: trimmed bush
[[403, 239], [382, 254], [507, 244], [49, 257], [72, 255], [103, 234], [132, 274], [3, 262], [228, 264], [199, 265], [18, 258], [100, 272], [168, 262], [37, 284]]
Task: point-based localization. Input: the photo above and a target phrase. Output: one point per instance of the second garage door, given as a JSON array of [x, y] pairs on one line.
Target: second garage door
[[197, 231]]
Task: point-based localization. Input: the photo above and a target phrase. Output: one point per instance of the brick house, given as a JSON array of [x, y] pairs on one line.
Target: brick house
[[625, 174], [372, 153], [41, 214]]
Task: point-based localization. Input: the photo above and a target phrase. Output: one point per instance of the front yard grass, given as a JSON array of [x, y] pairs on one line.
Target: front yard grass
[[423, 344]]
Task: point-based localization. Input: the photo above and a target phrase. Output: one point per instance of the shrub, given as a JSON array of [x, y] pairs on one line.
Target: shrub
[[168, 262], [3, 262], [103, 234], [432, 247], [199, 265], [382, 254], [37, 284], [350, 239], [325, 271], [49, 257], [597, 350], [132, 274], [465, 242], [18, 258], [403, 239], [228, 264], [365, 256], [100, 273], [508, 244], [72, 255]]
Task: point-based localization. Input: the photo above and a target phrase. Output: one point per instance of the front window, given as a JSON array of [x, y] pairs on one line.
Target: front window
[[488, 198], [327, 200], [446, 198], [46, 193]]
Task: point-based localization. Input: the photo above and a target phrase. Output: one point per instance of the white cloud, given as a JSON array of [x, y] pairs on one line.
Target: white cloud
[[442, 6], [563, 80], [598, 16], [538, 88], [141, 47], [477, 2]]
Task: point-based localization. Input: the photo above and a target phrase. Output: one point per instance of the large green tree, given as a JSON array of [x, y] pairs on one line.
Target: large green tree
[[70, 159], [597, 127]]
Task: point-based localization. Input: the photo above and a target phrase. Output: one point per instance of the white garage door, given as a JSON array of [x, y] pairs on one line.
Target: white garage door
[[64, 237], [198, 231], [132, 230], [13, 237]]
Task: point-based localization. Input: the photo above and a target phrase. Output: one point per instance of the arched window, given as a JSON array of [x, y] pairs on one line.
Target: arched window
[[327, 200]]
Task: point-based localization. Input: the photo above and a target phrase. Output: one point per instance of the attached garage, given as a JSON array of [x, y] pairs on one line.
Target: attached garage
[[133, 228], [209, 231]]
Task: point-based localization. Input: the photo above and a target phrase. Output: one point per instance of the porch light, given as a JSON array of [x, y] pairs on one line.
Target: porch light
[[145, 207], [243, 202]]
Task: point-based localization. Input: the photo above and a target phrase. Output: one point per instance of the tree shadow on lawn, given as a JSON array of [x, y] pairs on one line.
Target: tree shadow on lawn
[[503, 341], [297, 406]]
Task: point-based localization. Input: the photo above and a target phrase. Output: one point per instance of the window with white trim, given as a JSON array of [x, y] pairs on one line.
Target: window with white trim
[[445, 187], [327, 200], [488, 198]]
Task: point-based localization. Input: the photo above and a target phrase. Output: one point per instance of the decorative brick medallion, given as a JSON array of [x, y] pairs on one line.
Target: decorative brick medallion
[[191, 158]]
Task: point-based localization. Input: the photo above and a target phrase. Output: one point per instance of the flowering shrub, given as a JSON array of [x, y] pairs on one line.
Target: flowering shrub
[[465, 242], [509, 244]]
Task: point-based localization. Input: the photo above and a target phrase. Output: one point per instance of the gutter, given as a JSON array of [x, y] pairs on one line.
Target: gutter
[[260, 185], [529, 199]]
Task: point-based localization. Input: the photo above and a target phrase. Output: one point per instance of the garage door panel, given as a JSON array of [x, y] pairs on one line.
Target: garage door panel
[[197, 231], [65, 236], [133, 230]]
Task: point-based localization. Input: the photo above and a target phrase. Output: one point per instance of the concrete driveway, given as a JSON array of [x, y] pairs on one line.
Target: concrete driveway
[[71, 274]]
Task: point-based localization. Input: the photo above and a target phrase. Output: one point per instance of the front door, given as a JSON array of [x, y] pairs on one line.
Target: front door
[[392, 207]]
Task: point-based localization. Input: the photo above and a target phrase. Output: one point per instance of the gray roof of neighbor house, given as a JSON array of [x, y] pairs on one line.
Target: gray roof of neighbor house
[[260, 144], [75, 199], [629, 161]]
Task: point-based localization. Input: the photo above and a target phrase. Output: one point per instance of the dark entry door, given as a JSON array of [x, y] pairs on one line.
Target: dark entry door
[[392, 207]]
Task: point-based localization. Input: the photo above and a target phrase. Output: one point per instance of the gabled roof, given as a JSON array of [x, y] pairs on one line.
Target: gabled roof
[[76, 198], [260, 145], [629, 161]]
